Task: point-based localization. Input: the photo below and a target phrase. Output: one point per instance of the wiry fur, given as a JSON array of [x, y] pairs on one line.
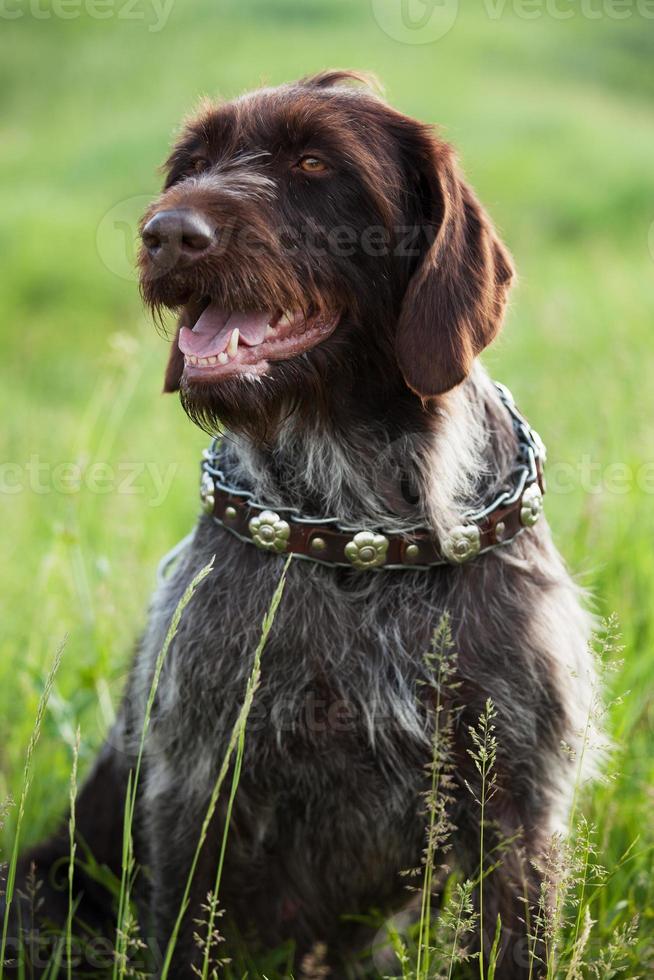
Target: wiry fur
[[360, 477], [386, 424], [331, 809]]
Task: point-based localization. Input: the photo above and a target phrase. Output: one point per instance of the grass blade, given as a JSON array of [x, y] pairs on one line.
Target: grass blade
[[237, 731], [73, 849], [27, 780], [120, 962], [492, 958]]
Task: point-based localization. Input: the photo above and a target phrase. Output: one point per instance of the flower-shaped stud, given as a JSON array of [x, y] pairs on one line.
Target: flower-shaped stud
[[207, 492], [463, 542], [367, 549], [532, 505], [269, 531]]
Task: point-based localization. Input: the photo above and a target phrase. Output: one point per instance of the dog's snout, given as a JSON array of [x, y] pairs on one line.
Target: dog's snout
[[181, 232]]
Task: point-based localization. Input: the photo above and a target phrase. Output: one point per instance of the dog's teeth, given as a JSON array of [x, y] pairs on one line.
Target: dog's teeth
[[222, 357], [286, 318], [232, 346], [213, 359], [270, 331], [191, 359]]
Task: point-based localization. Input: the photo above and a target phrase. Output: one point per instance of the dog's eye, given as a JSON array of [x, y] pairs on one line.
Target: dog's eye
[[199, 165], [311, 165]]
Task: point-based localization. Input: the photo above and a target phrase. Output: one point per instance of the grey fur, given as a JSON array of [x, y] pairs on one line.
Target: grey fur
[[326, 819]]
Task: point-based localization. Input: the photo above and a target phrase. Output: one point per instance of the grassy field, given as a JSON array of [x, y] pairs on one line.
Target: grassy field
[[553, 120]]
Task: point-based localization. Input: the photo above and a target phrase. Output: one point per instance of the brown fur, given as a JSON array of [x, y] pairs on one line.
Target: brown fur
[[436, 292], [385, 423]]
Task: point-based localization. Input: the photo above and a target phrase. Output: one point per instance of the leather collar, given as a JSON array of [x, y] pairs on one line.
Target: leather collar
[[328, 541]]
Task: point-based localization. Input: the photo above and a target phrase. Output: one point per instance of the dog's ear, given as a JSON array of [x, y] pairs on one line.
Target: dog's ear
[[331, 77], [175, 366], [454, 303]]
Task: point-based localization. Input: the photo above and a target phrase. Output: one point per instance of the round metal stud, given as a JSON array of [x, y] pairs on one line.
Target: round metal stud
[[462, 543], [207, 493], [367, 549], [411, 553], [269, 531], [230, 513], [318, 544], [532, 505], [500, 531]]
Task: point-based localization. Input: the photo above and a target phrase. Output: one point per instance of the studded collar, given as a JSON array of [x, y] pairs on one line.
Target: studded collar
[[327, 541]]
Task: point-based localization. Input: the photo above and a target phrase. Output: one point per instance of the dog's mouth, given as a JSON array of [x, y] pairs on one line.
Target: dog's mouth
[[224, 343]]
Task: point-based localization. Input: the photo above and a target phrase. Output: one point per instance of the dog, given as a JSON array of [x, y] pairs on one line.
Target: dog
[[336, 279]]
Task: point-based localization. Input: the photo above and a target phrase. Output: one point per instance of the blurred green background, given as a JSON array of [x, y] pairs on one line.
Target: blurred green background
[[553, 120]]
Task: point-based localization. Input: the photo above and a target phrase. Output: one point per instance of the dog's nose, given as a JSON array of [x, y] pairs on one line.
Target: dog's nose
[[178, 233]]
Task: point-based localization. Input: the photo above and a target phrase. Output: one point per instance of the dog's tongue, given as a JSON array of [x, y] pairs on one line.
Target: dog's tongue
[[211, 333]]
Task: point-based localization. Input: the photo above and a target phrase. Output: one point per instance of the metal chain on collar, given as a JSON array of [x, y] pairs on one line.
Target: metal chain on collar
[[530, 448], [464, 541]]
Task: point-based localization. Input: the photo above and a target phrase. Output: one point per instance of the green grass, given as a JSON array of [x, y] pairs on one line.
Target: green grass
[[553, 122]]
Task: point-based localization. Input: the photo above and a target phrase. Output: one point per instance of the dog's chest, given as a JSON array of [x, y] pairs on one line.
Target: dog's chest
[[341, 670]]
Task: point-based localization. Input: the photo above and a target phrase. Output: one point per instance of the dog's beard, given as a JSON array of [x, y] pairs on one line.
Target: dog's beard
[[256, 407], [326, 385]]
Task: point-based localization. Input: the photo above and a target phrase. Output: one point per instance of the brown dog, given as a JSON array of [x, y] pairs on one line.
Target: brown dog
[[335, 279]]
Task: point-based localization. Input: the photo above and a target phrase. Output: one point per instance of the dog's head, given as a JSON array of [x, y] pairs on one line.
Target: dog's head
[[317, 243]]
